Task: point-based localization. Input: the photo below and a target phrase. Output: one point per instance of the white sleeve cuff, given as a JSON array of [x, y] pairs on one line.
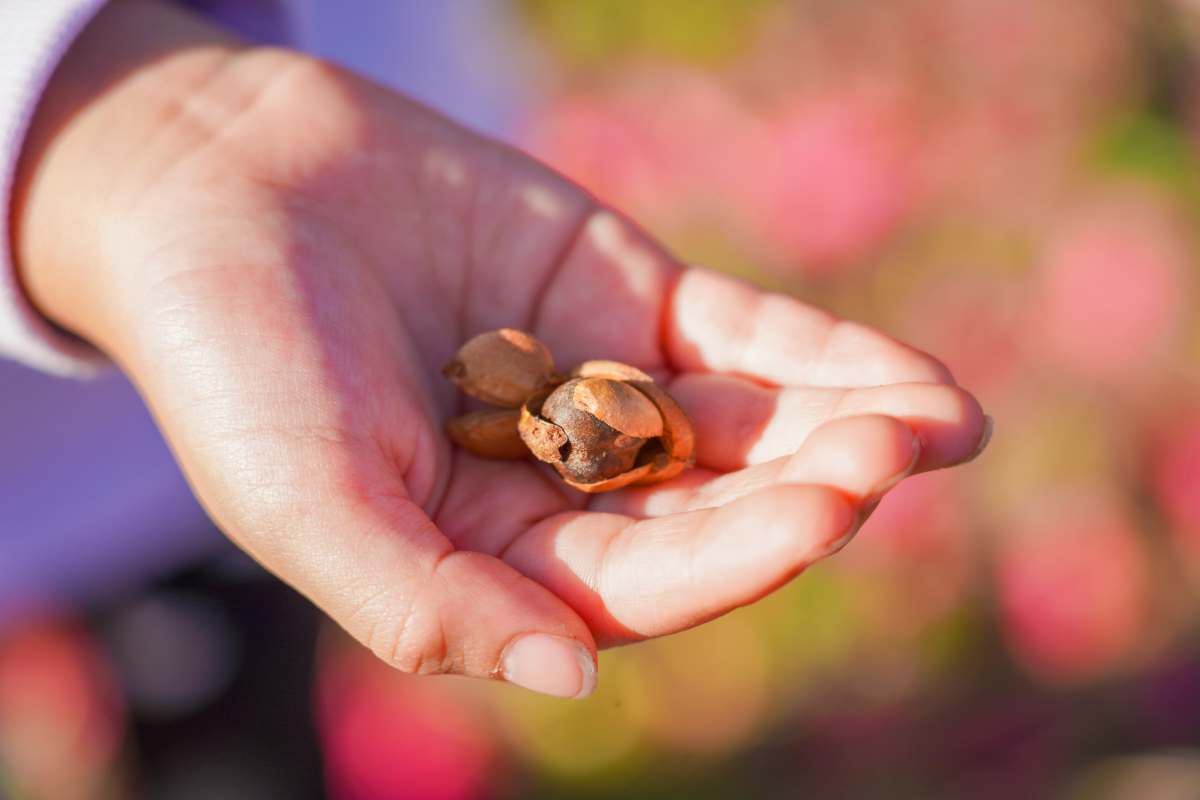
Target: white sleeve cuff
[[34, 35]]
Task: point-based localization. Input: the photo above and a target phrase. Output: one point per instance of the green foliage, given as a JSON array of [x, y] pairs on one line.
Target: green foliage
[[1147, 146], [592, 31], [813, 623]]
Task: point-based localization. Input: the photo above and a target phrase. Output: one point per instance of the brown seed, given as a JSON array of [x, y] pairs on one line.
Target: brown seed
[[620, 406], [489, 433], [595, 451], [677, 443], [501, 367]]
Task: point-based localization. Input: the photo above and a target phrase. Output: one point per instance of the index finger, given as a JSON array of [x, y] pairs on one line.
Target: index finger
[[717, 323]]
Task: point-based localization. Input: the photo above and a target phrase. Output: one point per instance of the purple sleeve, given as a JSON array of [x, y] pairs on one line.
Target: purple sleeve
[[34, 35]]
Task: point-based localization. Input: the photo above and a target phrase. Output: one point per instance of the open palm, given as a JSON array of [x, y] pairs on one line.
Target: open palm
[[309, 251]]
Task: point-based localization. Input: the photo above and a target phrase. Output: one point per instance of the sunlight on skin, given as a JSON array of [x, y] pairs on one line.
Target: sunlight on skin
[[748, 424], [863, 456], [723, 324], [622, 575], [606, 297], [542, 202], [442, 165], [639, 269], [319, 447]]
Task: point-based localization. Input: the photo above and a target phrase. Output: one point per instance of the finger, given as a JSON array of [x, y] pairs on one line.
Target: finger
[[398, 586], [605, 297], [631, 579], [716, 323], [489, 503], [350, 539], [739, 423], [862, 457]]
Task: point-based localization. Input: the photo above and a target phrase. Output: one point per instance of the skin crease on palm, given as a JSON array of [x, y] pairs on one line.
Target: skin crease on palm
[[282, 256]]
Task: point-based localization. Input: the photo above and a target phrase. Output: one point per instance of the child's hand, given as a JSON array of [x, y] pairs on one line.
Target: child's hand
[[283, 256]]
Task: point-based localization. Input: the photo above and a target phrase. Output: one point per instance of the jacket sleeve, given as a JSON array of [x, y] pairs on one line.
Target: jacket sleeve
[[34, 35]]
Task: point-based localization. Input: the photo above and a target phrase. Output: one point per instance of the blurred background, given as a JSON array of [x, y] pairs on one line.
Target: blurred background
[[1009, 184]]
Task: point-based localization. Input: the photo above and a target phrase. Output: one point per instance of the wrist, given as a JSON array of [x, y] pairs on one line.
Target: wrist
[[95, 135]]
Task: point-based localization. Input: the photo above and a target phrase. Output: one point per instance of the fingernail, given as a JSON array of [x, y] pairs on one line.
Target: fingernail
[[989, 425], [837, 544], [872, 498], [550, 665]]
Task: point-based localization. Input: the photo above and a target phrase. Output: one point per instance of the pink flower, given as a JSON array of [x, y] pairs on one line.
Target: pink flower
[[391, 737], [661, 145], [61, 720], [1113, 288], [1020, 83], [818, 186], [601, 142], [920, 519], [1072, 582], [1008, 45], [835, 181], [972, 321], [1177, 481], [918, 546]]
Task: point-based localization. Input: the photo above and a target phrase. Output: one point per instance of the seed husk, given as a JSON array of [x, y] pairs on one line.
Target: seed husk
[[595, 451], [677, 440], [543, 438]]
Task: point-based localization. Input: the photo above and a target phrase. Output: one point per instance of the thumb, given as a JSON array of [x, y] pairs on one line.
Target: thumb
[[425, 607], [384, 572]]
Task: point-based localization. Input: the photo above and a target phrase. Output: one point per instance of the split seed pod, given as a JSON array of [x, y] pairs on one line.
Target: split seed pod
[[675, 449], [606, 426]]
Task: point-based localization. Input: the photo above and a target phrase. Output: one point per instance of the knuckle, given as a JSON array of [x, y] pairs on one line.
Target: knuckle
[[407, 632], [412, 642], [872, 425]]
